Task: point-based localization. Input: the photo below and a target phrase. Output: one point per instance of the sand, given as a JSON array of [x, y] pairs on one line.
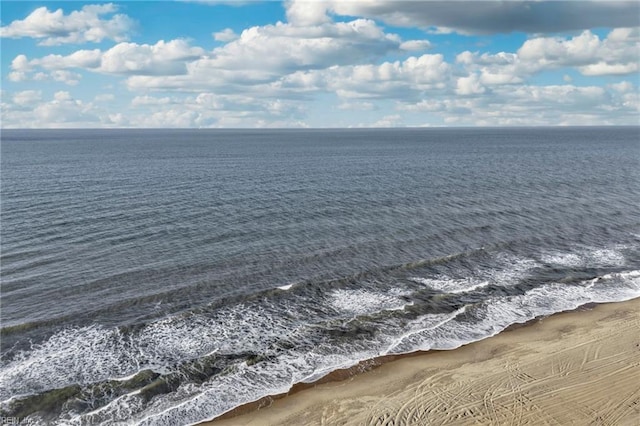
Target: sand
[[574, 368]]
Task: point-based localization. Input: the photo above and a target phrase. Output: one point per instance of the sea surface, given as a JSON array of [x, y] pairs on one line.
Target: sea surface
[[162, 277]]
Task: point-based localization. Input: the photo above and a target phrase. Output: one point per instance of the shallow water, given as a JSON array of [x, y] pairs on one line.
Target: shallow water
[[165, 277]]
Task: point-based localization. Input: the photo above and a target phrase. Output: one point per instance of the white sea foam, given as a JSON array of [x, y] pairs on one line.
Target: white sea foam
[[510, 272], [89, 354], [75, 355], [92, 354], [570, 260], [362, 302], [498, 313], [586, 257], [451, 285], [286, 287], [605, 257], [423, 324]]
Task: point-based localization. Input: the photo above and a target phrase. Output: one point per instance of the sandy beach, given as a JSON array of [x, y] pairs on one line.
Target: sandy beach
[[580, 367]]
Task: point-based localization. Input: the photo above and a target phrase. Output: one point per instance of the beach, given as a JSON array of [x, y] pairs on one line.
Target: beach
[[580, 367]]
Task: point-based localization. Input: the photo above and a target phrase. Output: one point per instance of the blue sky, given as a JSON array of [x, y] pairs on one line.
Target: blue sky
[[333, 63]]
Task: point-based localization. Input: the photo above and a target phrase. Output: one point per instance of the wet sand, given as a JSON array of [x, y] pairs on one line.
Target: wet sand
[[580, 367]]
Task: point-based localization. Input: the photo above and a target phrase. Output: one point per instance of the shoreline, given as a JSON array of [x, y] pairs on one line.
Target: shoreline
[[385, 379]]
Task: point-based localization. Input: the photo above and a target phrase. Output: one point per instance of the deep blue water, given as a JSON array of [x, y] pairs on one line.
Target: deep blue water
[[165, 277]]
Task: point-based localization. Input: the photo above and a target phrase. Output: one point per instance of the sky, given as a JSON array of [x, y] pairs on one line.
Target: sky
[[333, 63]]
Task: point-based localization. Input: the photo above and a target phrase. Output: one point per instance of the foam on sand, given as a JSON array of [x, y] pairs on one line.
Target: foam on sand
[[514, 378]]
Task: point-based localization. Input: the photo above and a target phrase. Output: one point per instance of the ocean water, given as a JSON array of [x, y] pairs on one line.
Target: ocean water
[[163, 277]]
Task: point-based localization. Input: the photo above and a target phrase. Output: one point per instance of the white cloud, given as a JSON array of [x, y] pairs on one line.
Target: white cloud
[[27, 97], [150, 100], [616, 54], [603, 68], [80, 59], [357, 106], [28, 110], [162, 58], [66, 77], [306, 13], [392, 120], [415, 45], [105, 97], [623, 87], [211, 110], [489, 78], [225, 35], [260, 55], [80, 26], [56, 67], [20, 63], [266, 54], [530, 105], [62, 96], [469, 86], [391, 80], [17, 76], [272, 75], [286, 47], [558, 95]]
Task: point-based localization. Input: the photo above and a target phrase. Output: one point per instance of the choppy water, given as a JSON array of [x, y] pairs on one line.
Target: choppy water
[[166, 277]]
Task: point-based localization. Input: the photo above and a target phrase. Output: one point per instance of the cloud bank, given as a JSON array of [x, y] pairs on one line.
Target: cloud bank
[[81, 26], [337, 64]]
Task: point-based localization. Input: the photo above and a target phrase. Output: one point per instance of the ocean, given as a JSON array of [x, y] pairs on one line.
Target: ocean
[[164, 277]]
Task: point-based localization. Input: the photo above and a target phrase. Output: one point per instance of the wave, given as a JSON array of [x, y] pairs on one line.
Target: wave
[[200, 364], [581, 257]]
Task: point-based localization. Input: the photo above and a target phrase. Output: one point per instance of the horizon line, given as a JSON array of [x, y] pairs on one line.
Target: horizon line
[[325, 128]]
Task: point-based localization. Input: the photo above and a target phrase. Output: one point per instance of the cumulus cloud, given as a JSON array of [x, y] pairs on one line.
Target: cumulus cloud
[[66, 77], [22, 71], [162, 58], [264, 54], [389, 80], [616, 54], [306, 13], [357, 106], [354, 84], [469, 86], [28, 110], [225, 35], [529, 105], [259, 55], [623, 87], [150, 100], [415, 45], [483, 17], [80, 26], [271, 75], [619, 50], [392, 120], [603, 68], [79, 59], [27, 97], [208, 109], [287, 47]]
